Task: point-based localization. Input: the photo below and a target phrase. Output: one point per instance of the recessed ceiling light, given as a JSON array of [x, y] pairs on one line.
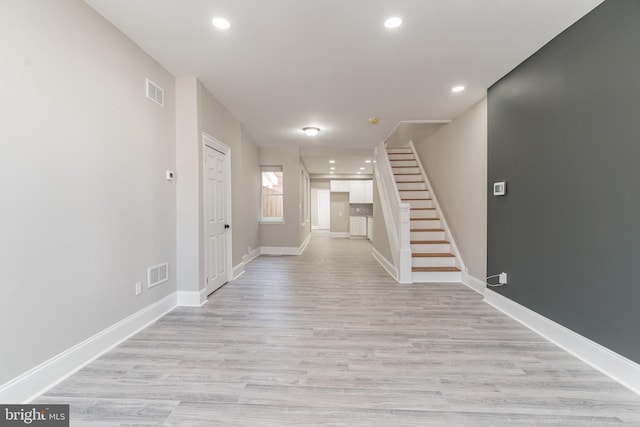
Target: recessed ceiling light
[[332, 161], [359, 172], [457, 89], [331, 172], [367, 161], [332, 169], [311, 131], [393, 22], [361, 169], [221, 23]]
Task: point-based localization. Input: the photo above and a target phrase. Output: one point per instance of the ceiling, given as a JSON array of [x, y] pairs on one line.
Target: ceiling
[[286, 64]]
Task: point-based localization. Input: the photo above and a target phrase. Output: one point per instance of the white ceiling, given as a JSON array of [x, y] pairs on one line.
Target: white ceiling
[[286, 64]]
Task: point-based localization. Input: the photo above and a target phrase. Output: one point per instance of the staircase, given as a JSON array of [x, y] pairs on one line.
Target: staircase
[[432, 256]]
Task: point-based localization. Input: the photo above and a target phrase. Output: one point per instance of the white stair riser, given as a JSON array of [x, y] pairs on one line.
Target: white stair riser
[[401, 178], [395, 163], [419, 203], [436, 277], [427, 235], [422, 194], [433, 262], [430, 248], [420, 214], [412, 186], [401, 156], [425, 223], [406, 170]]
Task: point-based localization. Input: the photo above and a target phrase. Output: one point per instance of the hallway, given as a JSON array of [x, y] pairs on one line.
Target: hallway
[[329, 339]]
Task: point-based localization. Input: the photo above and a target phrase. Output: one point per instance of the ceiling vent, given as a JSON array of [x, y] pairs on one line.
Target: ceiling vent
[[155, 93]]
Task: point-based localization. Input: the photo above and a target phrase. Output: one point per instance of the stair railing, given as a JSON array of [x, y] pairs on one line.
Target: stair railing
[[397, 215]]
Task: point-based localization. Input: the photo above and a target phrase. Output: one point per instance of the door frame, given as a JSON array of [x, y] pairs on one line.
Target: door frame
[[211, 142]]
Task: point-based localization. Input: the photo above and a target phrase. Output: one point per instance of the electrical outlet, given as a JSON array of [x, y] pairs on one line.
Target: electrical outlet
[[138, 288], [502, 278]]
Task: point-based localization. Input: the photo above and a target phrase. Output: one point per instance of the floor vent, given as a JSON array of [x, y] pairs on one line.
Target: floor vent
[[157, 274], [155, 93]]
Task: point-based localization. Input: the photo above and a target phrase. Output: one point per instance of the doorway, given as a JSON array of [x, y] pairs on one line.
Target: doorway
[[217, 213]]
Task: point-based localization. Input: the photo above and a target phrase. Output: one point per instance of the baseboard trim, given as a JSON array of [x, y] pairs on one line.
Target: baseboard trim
[[285, 250], [192, 298], [613, 365], [473, 283], [339, 234], [391, 269], [43, 377], [304, 244], [238, 270]]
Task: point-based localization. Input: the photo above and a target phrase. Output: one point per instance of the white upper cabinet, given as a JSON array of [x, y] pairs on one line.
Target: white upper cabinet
[[361, 191], [340, 186]]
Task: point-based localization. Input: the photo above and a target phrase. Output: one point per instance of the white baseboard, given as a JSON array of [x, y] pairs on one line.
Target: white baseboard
[[238, 270], [38, 380], [192, 298], [304, 244], [473, 283], [340, 234], [284, 250], [615, 366], [391, 269]]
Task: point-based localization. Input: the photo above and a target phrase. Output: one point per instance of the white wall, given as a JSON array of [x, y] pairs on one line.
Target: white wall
[[455, 159], [85, 207]]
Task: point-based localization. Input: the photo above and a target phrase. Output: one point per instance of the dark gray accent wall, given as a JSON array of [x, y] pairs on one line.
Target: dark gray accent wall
[[564, 133]]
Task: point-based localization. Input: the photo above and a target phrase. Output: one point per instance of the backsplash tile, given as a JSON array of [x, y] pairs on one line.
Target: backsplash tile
[[360, 209]]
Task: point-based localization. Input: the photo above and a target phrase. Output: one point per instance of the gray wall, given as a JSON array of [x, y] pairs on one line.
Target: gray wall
[[85, 206], [564, 132], [339, 212], [455, 160]]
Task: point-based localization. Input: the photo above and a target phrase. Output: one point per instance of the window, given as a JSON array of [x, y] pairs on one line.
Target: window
[[272, 193]]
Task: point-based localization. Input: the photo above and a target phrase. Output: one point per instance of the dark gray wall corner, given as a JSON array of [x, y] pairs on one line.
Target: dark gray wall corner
[[564, 132]]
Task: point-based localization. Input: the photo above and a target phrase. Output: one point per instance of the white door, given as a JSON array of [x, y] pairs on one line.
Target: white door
[[216, 221], [324, 209]]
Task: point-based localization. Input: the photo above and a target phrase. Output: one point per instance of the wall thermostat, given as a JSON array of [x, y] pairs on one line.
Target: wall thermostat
[[170, 175], [499, 188]]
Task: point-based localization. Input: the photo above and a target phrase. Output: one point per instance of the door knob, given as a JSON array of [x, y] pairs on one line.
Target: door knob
[[227, 226]]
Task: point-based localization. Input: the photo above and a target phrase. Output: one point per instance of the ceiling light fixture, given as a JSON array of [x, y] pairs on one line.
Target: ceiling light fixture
[[361, 169], [311, 131], [221, 23], [457, 89], [332, 161], [332, 169], [367, 161], [393, 22]]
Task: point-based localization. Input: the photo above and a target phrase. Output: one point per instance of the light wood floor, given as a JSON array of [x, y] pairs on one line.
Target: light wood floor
[[328, 339]]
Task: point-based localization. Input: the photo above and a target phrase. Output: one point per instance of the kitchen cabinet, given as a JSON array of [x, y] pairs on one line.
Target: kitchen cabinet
[[370, 227], [356, 192], [340, 186], [368, 191], [358, 226]]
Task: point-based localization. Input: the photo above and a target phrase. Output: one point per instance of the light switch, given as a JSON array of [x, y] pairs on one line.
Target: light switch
[[499, 188]]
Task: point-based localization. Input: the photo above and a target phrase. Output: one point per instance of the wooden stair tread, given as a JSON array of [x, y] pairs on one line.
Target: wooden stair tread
[[412, 182], [403, 167], [415, 198], [429, 242], [427, 229], [423, 209], [434, 269], [424, 189], [424, 219], [433, 255]]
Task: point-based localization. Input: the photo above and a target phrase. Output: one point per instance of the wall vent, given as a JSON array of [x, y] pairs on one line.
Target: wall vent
[[157, 274], [155, 93]]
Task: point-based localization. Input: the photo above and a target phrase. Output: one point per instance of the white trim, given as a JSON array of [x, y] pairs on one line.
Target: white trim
[[615, 366], [192, 298], [473, 283], [393, 272], [304, 244], [340, 234], [238, 270], [211, 142], [43, 377], [285, 250]]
